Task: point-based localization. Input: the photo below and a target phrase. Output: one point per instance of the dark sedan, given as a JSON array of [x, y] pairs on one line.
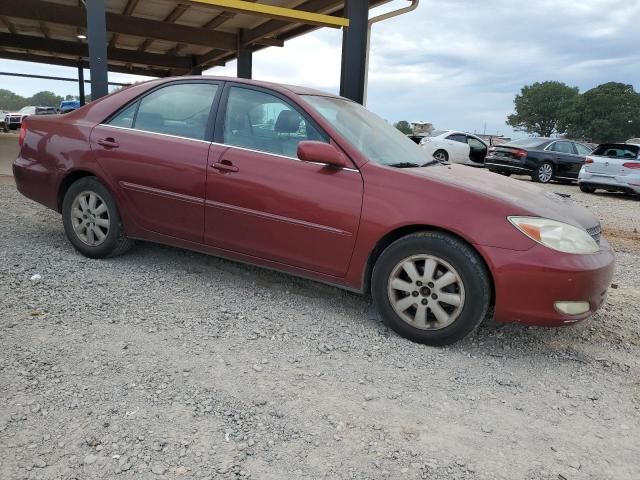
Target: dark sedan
[[544, 159]]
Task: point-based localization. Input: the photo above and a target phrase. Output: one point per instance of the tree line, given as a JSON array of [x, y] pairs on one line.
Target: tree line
[[607, 113], [12, 101]]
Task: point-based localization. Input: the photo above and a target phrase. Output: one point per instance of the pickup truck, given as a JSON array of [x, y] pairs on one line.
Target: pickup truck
[[13, 120]]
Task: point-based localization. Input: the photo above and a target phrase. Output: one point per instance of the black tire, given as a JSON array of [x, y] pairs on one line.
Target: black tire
[[115, 242], [587, 188], [443, 153], [540, 174], [469, 267]]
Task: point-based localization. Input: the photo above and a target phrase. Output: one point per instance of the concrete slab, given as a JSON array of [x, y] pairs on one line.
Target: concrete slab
[[8, 152]]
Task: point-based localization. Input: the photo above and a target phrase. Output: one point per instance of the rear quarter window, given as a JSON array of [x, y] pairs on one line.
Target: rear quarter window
[[617, 151]]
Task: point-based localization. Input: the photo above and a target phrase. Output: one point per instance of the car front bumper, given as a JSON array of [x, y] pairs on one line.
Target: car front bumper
[[627, 183], [529, 284]]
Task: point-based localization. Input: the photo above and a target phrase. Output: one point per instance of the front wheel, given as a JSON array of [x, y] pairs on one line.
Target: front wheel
[[544, 173], [431, 288], [441, 156], [92, 221]]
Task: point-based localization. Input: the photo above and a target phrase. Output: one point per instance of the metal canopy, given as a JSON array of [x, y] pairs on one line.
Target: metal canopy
[[160, 37]]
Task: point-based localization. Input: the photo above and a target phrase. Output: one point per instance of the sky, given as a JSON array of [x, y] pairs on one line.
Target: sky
[[455, 63]]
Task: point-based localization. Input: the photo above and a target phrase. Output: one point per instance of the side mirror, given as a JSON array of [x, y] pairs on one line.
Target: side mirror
[[320, 152]]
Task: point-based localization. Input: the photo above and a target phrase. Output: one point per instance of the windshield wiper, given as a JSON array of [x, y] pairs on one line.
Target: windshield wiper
[[403, 165], [433, 162]]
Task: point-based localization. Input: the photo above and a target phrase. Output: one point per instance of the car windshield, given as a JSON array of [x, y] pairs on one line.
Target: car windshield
[[375, 138], [617, 151], [437, 133], [527, 143], [27, 110]]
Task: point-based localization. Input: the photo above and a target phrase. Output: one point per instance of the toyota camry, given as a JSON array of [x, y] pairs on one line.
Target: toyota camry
[[315, 185]]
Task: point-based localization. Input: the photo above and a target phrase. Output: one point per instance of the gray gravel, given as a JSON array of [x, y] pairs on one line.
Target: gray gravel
[[170, 364]]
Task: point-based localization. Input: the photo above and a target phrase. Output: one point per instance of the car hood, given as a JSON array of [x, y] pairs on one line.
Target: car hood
[[521, 197]]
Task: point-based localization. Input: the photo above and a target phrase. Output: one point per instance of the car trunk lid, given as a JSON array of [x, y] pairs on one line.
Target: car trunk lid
[[613, 160], [505, 152]]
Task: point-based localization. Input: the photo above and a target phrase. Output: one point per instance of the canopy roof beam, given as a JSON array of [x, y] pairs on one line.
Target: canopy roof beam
[[291, 15], [117, 23]]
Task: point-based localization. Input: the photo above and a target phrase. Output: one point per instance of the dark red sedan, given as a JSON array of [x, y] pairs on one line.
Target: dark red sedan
[[315, 185]]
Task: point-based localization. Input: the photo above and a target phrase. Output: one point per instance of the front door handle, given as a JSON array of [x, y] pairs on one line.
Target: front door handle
[[225, 166], [108, 143]]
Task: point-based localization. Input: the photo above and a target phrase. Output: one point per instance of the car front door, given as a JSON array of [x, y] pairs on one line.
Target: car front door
[[566, 159], [458, 148], [155, 152], [262, 201]]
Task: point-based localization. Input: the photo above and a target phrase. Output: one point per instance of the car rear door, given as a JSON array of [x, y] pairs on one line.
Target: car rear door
[[262, 201], [566, 159], [155, 151]]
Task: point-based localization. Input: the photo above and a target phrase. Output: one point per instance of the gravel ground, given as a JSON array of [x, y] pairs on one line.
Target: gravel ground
[[170, 364]]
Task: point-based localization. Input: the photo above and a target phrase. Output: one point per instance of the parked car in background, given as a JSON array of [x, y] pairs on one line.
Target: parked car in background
[[2, 115], [312, 184], [13, 121], [612, 167], [455, 147], [633, 141], [67, 106], [544, 159]]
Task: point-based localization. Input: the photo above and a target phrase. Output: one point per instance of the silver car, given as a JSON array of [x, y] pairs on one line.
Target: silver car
[[612, 167]]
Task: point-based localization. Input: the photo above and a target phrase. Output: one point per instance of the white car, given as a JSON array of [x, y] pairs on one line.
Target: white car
[[456, 147], [612, 167]]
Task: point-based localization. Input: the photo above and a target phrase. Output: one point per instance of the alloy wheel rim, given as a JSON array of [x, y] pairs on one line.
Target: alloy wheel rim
[[545, 173], [426, 292], [439, 156], [90, 218]]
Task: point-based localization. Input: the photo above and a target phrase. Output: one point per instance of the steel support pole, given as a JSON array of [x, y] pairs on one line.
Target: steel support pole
[[83, 98], [245, 58], [354, 50], [97, 35]]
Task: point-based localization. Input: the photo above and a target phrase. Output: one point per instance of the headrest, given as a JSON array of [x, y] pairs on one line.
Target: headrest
[[288, 122]]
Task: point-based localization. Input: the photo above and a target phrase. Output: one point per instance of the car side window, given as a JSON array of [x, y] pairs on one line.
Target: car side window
[[475, 144], [125, 117], [181, 110], [264, 122], [456, 137], [582, 149], [563, 147]]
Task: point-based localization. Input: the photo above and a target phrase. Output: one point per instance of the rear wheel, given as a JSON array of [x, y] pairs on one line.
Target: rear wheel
[[431, 288], [544, 173], [587, 189], [441, 156], [92, 221]]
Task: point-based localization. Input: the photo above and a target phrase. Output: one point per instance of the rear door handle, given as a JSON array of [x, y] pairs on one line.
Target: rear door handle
[[225, 166], [108, 143]]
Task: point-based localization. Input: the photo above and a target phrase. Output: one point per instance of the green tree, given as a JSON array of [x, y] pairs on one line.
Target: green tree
[[539, 108], [404, 127], [606, 113], [11, 101], [45, 99]]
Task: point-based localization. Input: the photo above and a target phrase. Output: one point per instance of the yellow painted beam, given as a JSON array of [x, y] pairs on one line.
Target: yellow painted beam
[[280, 13]]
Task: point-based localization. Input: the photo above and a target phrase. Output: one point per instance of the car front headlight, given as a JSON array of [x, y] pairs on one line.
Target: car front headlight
[[425, 140], [556, 235]]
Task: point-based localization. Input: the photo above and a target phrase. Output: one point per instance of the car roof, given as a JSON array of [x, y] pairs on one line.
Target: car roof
[[296, 89]]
